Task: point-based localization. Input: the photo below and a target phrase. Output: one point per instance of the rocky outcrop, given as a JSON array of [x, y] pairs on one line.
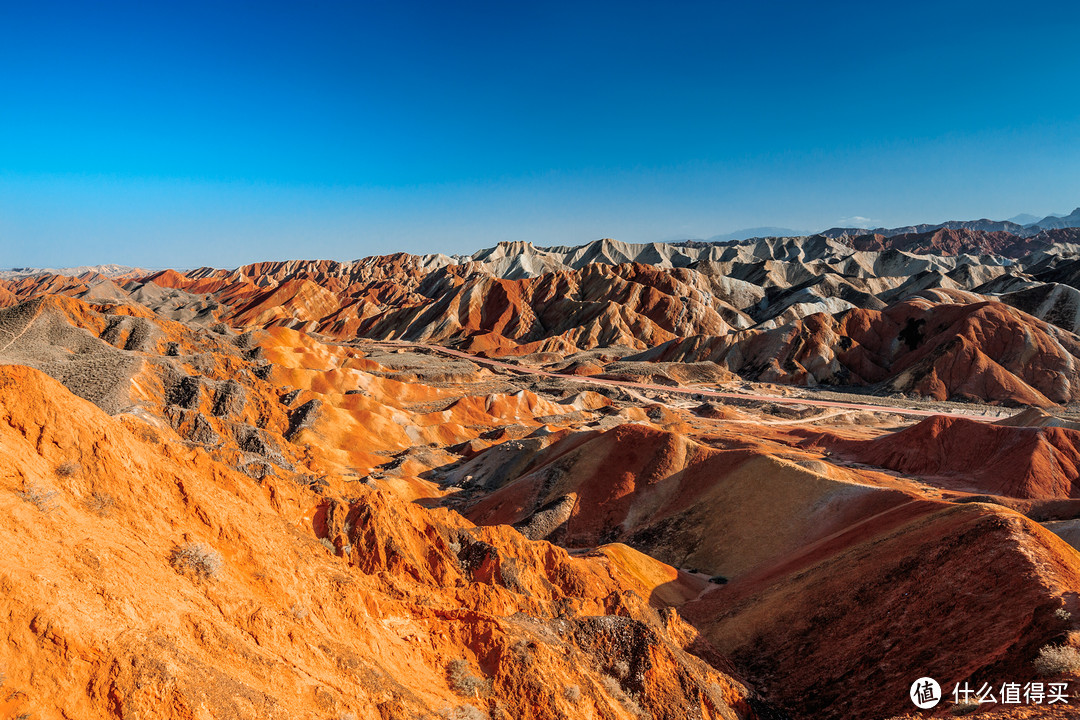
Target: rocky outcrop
[[417, 612], [960, 351], [751, 304], [976, 457]]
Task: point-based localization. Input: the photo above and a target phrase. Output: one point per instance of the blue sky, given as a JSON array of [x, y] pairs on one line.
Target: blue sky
[[184, 134]]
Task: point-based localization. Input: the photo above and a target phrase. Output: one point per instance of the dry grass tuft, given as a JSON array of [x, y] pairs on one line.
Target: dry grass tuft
[[460, 677], [614, 689], [100, 503], [465, 712], [964, 708], [1057, 660], [198, 558], [44, 500], [67, 469]]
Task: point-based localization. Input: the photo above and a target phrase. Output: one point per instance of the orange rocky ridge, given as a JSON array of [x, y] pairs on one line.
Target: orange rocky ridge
[[809, 312], [245, 511], [207, 552]]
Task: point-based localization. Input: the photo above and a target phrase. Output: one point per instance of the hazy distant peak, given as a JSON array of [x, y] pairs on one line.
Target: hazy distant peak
[[1051, 222], [111, 270], [757, 232], [1023, 219]]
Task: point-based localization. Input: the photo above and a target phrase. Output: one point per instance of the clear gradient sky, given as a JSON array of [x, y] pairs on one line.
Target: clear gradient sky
[[188, 133]]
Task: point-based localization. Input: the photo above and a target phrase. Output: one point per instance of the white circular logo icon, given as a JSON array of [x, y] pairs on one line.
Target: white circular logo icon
[[925, 693]]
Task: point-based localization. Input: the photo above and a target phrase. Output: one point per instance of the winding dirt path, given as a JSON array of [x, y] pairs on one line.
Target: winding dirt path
[[693, 392], [22, 332]]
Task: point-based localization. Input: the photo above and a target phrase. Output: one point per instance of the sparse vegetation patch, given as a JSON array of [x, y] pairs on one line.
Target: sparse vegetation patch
[[461, 679], [465, 712], [100, 503], [1057, 660], [67, 469], [197, 558], [44, 500], [964, 708]]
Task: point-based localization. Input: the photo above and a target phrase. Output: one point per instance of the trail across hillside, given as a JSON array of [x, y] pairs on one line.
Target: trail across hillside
[[694, 392]]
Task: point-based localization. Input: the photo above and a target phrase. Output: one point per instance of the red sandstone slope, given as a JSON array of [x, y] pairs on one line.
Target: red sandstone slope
[[1021, 462], [949, 241], [723, 510], [38, 285], [957, 348], [275, 401], [270, 420], [290, 302], [601, 305], [842, 629], [393, 297], [100, 623], [957, 241], [840, 594], [980, 351]]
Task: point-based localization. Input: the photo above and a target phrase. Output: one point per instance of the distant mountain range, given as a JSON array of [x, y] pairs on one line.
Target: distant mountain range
[[1023, 225], [757, 232], [110, 270], [1026, 218], [1056, 222], [1028, 229]]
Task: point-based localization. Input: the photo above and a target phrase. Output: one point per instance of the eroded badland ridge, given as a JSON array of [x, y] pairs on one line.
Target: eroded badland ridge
[[775, 479]]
